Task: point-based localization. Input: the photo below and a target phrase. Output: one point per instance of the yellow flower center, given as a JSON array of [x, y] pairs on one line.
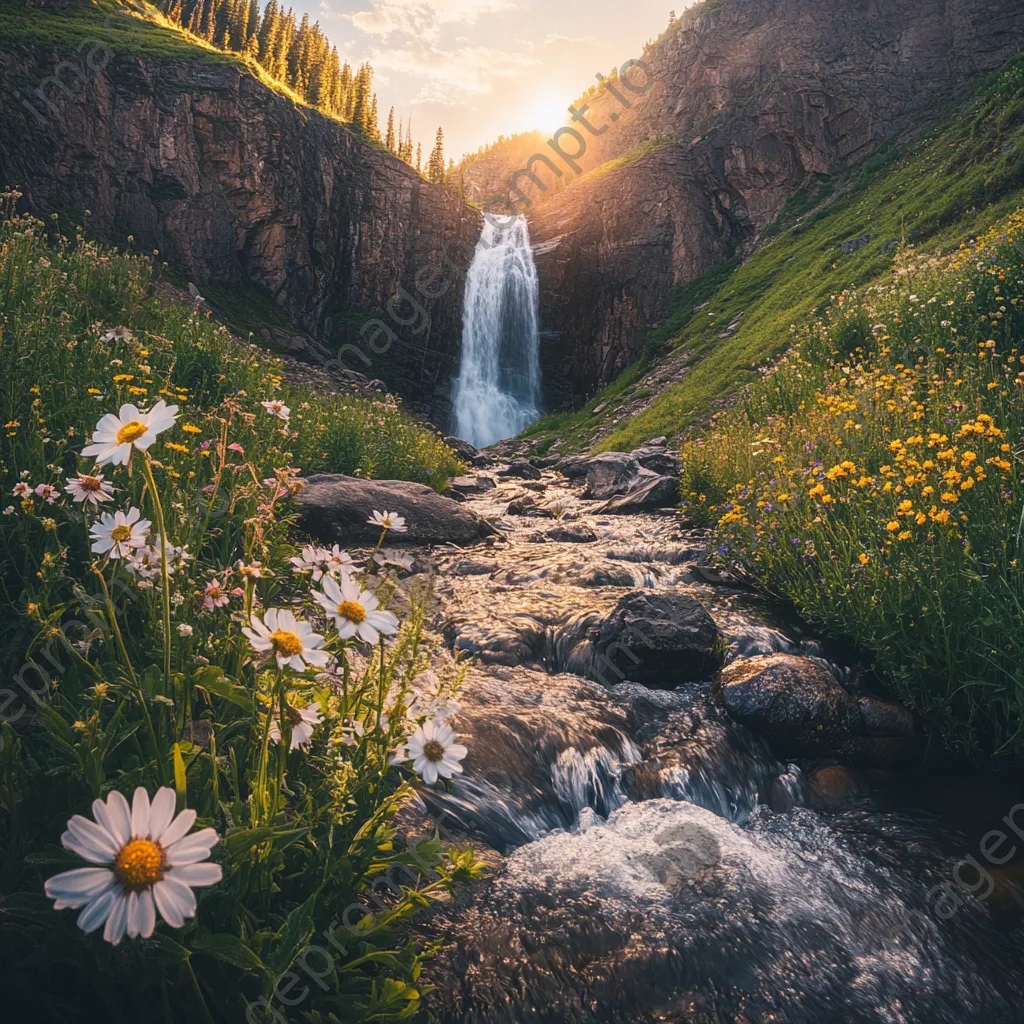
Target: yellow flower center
[[119, 534], [215, 592], [352, 610], [131, 432], [139, 865], [433, 750], [285, 642], [89, 483]]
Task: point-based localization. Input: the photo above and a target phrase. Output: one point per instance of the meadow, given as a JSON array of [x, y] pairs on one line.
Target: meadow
[[872, 477], [207, 726]]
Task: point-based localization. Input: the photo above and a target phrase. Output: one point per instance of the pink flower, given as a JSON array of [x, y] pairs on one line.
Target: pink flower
[[215, 596], [49, 492], [236, 447]]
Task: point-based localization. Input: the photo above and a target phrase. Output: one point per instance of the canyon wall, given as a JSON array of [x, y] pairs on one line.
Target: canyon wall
[[237, 186], [748, 100]]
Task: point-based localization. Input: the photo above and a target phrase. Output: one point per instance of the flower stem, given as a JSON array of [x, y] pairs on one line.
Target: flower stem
[[158, 511]]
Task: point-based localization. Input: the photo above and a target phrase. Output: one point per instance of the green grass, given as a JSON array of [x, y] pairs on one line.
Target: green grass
[[874, 479], [935, 191]]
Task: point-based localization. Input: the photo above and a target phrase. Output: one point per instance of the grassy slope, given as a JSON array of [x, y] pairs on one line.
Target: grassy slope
[[933, 191]]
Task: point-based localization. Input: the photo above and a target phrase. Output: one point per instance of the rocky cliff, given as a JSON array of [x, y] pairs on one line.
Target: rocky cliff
[[750, 99], [235, 185]]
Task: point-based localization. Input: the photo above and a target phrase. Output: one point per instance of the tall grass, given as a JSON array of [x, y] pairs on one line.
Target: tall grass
[[135, 672], [873, 476]]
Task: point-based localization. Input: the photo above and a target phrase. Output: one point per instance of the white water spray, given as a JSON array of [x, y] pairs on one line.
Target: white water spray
[[497, 391]]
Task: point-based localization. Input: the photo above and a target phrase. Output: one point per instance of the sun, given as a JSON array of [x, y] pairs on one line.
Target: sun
[[549, 114]]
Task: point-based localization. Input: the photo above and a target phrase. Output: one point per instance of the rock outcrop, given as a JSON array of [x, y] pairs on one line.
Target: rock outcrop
[[747, 101], [239, 187]]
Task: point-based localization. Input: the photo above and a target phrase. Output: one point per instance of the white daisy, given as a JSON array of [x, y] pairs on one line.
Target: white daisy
[[354, 611], [277, 408], [392, 556], [302, 720], [118, 334], [116, 436], [291, 639], [146, 863], [119, 534], [320, 562], [434, 752], [89, 489], [388, 521]]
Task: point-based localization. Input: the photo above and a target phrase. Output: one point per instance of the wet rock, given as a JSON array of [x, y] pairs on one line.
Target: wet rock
[[834, 788], [522, 469], [882, 718], [525, 505], [472, 484], [879, 752], [795, 703], [610, 474], [787, 791], [574, 533], [659, 638], [334, 510], [647, 493], [658, 459]]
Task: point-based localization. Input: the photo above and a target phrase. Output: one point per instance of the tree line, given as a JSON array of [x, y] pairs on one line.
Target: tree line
[[298, 54]]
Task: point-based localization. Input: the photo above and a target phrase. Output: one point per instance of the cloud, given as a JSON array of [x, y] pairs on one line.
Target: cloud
[[449, 76], [422, 19]]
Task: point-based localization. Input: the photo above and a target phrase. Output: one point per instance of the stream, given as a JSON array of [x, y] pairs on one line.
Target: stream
[[640, 872]]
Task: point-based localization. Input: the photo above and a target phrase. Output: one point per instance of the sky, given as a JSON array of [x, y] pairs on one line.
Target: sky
[[483, 68]]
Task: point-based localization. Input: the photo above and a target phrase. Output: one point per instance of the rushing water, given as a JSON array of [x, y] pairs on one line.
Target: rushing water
[[642, 876], [498, 388]]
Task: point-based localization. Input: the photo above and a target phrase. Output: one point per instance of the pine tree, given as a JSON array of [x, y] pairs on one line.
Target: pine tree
[[195, 20], [435, 166], [253, 21], [361, 98], [419, 158], [389, 138], [208, 25], [373, 128]]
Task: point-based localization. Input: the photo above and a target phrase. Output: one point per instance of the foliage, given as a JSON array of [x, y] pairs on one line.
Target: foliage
[[130, 672], [873, 476]]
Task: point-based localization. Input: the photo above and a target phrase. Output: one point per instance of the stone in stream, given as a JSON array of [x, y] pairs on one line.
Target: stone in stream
[[472, 484], [883, 718], [794, 703], [521, 468], [334, 510], [465, 451], [572, 533], [658, 638], [668, 912], [610, 474], [834, 788], [648, 492]]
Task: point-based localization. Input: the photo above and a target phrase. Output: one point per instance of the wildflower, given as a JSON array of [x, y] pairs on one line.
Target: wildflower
[[48, 492], [351, 732], [904, 535], [354, 611], [214, 596], [21, 489], [864, 559], [277, 408], [434, 752], [190, 429], [253, 571], [392, 556], [184, 629], [291, 639], [89, 489], [146, 863], [9, 511], [119, 334], [116, 436], [302, 721], [322, 562], [119, 534], [388, 521], [50, 525]]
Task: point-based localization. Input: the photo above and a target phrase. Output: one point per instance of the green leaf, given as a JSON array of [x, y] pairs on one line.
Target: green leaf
[[223, 687], [293, 936], [231, 950], [241, 842], [179, 776]]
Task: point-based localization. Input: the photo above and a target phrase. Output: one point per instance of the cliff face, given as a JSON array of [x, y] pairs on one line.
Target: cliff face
[[234, 184], [750, 99]]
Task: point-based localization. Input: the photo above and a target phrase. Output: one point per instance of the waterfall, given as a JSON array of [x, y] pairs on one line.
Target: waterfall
[[497, 391]]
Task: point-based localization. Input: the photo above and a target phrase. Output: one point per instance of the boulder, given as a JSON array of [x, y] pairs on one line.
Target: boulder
[[334, 509], [526, 505], [794, 703], [658, 459], [611, 474], [465, 451], [882, 718], [648, 493], [658, 638], [573, 466], [521, 468], [834, 788]]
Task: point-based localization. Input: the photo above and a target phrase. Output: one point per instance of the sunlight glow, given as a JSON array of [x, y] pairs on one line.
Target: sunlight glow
[[549, 114]]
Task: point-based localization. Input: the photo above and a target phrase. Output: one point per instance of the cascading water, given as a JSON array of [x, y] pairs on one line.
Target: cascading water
[[497, 391]]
